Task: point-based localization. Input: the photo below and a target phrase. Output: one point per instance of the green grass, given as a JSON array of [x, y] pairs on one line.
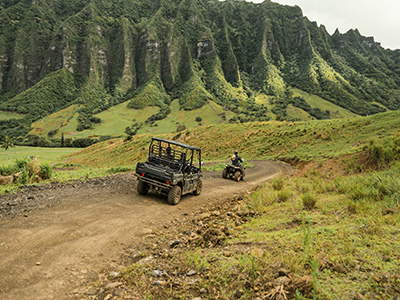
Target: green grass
[[290, 141], [117, 118], [56, 121], [297, 113], [44, 155], [360, 239], [318, 102], [6, 115], [209, 114], [265, 100]]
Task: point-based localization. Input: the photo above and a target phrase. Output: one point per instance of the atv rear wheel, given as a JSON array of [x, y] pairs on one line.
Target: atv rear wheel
[[237, 176], [174, 195], [225, 173], [197, 192], [142, 187]]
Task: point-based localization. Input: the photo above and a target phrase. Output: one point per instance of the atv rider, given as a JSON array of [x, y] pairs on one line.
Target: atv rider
[[236, 160]]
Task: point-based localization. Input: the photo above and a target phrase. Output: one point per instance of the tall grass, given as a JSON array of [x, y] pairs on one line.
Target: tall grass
[[375, 186]]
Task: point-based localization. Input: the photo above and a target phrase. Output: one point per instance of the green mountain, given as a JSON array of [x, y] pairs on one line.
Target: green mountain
[[96, 54]]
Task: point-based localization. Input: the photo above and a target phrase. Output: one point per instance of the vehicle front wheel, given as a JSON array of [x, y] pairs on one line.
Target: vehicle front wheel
[[174, 195], [197, 192], [225, 173], [237, 176], [142, 187]]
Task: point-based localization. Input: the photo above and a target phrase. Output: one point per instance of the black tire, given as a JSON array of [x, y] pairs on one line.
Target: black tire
[[237, 176], [243, 175], [225, 173], [197, 192], [142, 188], [174, 195]]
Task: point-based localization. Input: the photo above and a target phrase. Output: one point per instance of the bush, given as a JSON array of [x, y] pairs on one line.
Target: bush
[[382, 153], [119, 170], [46, 171], [283, 195], [309, 200], [277, 183]]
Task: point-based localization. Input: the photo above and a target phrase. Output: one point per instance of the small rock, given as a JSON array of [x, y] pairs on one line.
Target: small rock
[[191, 273], [113, 285], [339, 268], [187, 232], [156, 273], [147, 231], [91, 292], [31, 197], [119, 292], [113, 274], [38, 263], [283, 272], [174, 244], [227, 253], [257, 252]]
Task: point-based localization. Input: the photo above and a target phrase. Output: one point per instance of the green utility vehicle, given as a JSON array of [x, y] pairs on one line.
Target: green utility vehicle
[[172, 169]]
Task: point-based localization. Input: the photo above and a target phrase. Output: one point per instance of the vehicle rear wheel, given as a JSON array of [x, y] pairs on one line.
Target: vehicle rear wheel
[[237, 176], [197, 192], [225, 173], [142, 187], [174, 195]]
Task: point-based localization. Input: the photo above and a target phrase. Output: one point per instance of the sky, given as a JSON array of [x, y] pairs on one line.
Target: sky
[[380, 19]]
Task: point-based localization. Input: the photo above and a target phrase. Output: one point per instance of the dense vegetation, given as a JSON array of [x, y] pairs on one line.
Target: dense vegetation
[[101, 53]]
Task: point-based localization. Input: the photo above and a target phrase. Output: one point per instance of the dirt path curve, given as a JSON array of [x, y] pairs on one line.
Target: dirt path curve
[[45, 252]]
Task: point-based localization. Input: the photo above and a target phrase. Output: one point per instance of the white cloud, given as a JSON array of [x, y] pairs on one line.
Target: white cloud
[[379, 19]]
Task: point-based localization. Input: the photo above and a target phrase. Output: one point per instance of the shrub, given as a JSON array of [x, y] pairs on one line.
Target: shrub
[[46, 171], [277, 183], [283, 195], [309, 200], [119, 170], [382, 153]]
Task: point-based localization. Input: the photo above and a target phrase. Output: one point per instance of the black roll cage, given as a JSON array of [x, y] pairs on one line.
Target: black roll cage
[[163, 151]]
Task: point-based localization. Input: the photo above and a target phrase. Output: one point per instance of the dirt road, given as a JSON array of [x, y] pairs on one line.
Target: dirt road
[[53, 237]]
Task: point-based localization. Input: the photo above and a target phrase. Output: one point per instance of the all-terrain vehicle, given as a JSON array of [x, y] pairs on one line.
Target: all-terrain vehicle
[[234, 172], [172, 169]]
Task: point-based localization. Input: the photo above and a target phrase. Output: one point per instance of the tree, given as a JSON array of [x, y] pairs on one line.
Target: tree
[[7, 143]]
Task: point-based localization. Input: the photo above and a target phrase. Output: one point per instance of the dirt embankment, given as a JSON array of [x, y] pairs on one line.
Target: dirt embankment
[[54, 238]]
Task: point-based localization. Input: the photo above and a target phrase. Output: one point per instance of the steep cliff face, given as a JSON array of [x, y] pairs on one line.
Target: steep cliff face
[[150, 52]]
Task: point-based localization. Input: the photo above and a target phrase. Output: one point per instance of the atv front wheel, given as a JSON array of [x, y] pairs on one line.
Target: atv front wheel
[[142, 188], [237, 176], [174, 195], [225, 173]]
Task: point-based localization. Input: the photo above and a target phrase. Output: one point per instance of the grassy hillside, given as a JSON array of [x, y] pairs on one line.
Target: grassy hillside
[[115, 119], [291, 141], [5, 115], [44, 155], [318, 102]]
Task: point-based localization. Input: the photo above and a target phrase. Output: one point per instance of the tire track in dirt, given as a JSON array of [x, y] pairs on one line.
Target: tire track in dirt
[[49, 252]]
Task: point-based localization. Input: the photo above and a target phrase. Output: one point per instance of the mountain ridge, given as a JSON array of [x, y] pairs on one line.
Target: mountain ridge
[[151, 52]]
